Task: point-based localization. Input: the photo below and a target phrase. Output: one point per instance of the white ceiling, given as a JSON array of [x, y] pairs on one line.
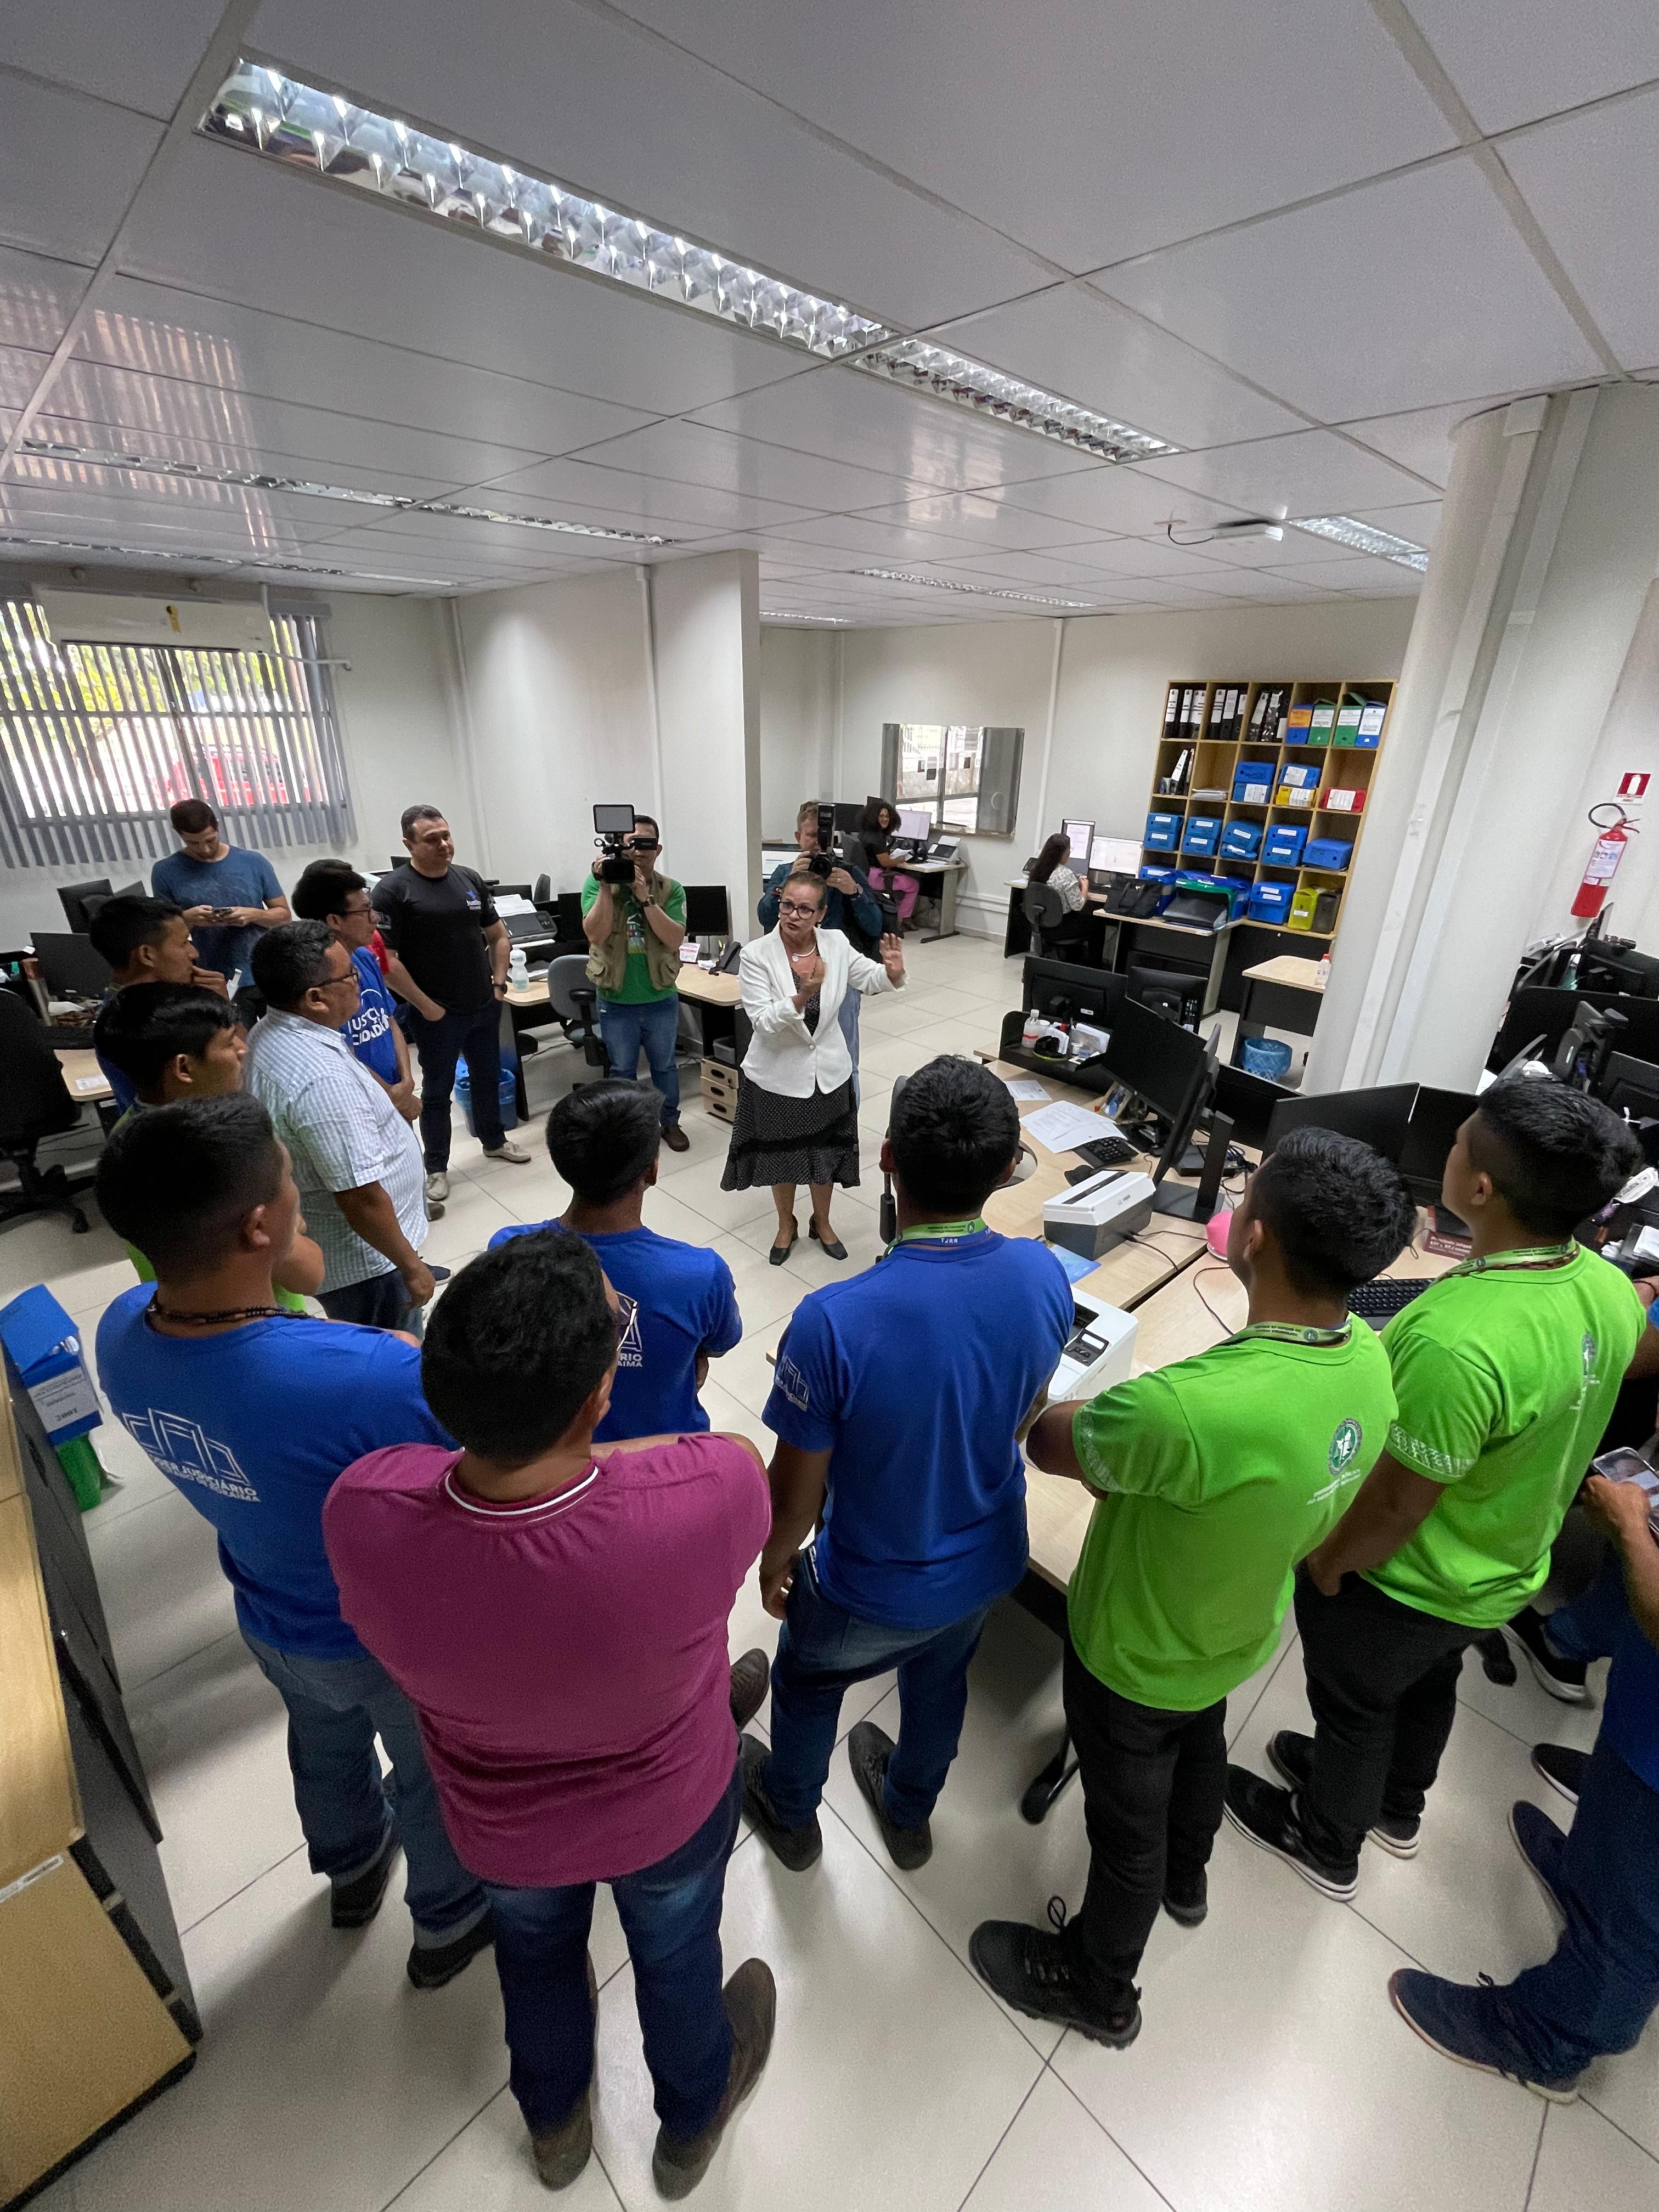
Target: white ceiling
[[1299, 244]]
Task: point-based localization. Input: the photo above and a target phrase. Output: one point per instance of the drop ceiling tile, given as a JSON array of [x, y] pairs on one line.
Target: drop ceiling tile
[[151, 328], [1590, 181], [1206, 114], [68, 166], [138, 58], [157, 445], [1253, 554], [38, 295], [1072, 341], [890, 543], [1311, 472], [324, 254], [989, 518], [1362, 578], [1038, 570], [1338, 308], [844, 416], [19, 372], [582, 492], [594, 101], [1422, 440], [1121, 500], [1532, 57], [690, 453], [484, 541], [1420, 522]]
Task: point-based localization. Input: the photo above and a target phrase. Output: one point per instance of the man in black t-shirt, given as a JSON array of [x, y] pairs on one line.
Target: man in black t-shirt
[[449, 954]]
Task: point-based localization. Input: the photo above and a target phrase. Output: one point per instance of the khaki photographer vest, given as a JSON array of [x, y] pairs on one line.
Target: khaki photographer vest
[[607, 962]]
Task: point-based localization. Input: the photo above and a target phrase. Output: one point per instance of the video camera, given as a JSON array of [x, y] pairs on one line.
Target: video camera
[[821, 862], [611, 825]]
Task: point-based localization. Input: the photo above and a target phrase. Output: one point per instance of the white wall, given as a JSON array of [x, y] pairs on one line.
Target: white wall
[[1113, 673], [798, 685]]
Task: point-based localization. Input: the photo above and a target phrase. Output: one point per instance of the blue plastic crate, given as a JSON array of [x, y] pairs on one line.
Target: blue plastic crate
[[1271, 901], [1202, 835], [1327, 852], [1282, 845], [1163, 833], [1241, 840]]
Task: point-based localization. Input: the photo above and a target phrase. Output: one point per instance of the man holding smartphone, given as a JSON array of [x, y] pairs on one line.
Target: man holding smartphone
[[230, 896], [636, 930]]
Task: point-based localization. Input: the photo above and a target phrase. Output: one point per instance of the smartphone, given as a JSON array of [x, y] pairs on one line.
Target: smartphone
[[223, 913], [1623, 1465]]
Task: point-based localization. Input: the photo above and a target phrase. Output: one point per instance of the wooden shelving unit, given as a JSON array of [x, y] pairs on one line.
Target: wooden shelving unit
[[1219, 743]]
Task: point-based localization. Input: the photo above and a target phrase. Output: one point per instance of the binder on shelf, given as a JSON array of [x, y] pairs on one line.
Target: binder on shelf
[[1346, 729], [1324, 916], [1321, 720], [1298, 722], [1373, 713]]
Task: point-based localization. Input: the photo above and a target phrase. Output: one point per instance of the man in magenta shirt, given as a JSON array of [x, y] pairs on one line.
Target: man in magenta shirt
[[557, 1615]]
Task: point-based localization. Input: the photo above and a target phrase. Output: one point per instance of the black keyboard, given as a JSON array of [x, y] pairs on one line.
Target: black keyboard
[[1107, 1151], [1383, 1296]]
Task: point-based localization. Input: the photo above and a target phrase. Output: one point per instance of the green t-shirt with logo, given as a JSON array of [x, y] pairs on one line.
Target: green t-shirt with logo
[[638, 990], [1504, 1377], [1219, 1474]]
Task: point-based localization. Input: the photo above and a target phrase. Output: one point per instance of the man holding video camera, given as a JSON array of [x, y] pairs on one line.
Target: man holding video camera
[[633, 918], [851, 907]]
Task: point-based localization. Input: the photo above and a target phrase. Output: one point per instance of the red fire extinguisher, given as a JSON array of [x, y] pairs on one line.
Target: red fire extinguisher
[[1604, 856]]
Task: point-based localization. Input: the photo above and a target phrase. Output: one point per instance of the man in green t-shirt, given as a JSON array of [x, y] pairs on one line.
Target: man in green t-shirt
[[636, 931], [1213, 1478], [1506, 1371]]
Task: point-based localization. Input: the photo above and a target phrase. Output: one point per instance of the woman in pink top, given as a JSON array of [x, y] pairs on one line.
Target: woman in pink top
[[557, 1615]]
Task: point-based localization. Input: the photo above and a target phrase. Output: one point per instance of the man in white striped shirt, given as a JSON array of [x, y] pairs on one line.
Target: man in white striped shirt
[[357, 1162]]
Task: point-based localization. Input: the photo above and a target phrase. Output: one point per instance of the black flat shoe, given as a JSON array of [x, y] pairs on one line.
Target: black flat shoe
[[780, 1253]]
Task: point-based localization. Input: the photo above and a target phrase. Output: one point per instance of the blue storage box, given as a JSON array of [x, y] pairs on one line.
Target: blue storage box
[[1203, 834], [1303, 774], [1282, 845], [1241, 840], [1252, 784], [45, 1348], [1272, 902], [1327, 852], [1163, 833]]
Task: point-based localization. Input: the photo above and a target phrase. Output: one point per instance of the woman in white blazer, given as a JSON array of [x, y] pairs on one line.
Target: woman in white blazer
[[797, 1118]]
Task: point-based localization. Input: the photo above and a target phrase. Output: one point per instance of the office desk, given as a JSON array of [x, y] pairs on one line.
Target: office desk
[[1282, 993], [939, 880], [716, 997], [89, 1086], [1126, 942]]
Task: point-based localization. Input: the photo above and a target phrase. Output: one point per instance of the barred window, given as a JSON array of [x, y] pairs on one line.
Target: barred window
[[98, 741]]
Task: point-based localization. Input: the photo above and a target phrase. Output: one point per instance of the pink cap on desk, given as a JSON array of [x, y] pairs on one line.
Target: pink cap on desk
[[1215, 1231]]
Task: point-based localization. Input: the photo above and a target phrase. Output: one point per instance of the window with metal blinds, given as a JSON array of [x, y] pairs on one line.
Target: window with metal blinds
[[98, 741]]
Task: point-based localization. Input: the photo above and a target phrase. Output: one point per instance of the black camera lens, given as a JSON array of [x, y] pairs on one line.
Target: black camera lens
[[819, 864]]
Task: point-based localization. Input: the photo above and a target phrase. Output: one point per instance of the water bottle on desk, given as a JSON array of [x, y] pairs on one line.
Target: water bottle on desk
[[518, 970]]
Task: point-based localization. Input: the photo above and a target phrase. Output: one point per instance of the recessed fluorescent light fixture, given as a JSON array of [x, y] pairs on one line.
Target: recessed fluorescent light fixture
[[149, 554], [920, 367], [264, 110], [974, 591], [159, 464], [839, 620], [1343, 529]]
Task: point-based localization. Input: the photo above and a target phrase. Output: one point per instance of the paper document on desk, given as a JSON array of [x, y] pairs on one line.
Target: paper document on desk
[[1063, 1128], [1024, 1088], [85, 1083]]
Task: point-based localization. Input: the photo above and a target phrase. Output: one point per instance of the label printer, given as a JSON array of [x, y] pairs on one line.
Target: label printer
[[1090, 1218]]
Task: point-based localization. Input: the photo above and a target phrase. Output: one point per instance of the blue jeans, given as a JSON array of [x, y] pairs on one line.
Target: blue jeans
[[335, 1709], [822, 1651], [655, 1025], [671, 1915], [475, 1037], [379, 1302]]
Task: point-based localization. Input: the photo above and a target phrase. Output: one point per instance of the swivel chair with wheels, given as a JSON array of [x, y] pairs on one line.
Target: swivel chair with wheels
[[1052, 928], [573, 1002], [35, 1103]]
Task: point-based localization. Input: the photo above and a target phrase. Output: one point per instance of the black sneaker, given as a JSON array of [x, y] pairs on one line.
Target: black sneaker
[[1562, 1678], [431, 1965], [868, 1750], [1541, 1845], [1038, 1974], [799, 1848], [1467, 2024], [751, 1999], [1562, 1767], [750, 1676], [1187, 1898], [1269, 1819], [353, 1904], [1291, 1757]]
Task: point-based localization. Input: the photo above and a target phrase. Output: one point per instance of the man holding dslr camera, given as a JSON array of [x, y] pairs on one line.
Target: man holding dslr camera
[[851, 906], [633, 918]]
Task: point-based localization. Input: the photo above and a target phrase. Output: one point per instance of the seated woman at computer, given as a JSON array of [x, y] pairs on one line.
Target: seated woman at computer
[[877, 827], [1051, 866]]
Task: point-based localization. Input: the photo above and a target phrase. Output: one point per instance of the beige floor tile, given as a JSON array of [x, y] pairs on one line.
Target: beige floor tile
[[1057, 2157], [164, 1594], [489, 2163], [1585, 2161]]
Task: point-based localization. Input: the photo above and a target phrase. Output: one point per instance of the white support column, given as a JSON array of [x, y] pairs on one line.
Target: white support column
[[1548, 546], [706, 626]]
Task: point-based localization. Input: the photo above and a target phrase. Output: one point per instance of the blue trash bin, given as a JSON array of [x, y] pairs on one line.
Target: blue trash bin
[[1269, 1056], [509, 1097]]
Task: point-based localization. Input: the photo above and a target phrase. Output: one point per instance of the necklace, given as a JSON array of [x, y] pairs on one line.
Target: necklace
[[154, 1312], [1532, 1255], [1288, 1333]]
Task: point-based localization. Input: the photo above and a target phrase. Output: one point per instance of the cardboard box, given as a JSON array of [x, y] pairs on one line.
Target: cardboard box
[[720, 1090], [46, 1351]]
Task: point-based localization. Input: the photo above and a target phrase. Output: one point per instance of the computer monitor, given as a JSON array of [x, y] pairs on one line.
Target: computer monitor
[[1114, 856], [1176, 993], [1435, 1119], [916, 823], [1080, 835], [1632, 1086], [1378, 1117], [707, 910], [848, 814], [1081, 994], [1248, 1102], [74, 899], [70, 968]]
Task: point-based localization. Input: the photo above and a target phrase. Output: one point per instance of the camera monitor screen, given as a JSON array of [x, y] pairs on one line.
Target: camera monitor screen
[[707, 910], [914, 822], [1378, 1118], [613, 820], [1080, 836], [1161, 1062]]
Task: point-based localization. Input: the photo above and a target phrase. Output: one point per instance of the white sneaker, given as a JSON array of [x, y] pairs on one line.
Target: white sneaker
[[506, 1150], [437, 1186]]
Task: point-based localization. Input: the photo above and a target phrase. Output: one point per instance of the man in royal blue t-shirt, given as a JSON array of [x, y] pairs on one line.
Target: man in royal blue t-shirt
[[679, 1308], [332, 892], [897, 1406], [252, 1412]]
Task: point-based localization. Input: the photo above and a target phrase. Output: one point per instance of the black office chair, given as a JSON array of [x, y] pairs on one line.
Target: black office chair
[[543, 894], [573, 1002], [35, 1103], [1052, 927]]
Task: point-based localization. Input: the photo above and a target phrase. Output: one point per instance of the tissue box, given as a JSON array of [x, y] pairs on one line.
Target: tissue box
[[46, 1352]]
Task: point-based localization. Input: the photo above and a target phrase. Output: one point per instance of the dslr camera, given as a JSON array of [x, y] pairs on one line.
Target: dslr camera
[[611, 824], [821, 862]]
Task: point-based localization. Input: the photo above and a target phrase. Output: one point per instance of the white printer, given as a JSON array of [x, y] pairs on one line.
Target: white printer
[[1088, 1218], [1099, 1351]]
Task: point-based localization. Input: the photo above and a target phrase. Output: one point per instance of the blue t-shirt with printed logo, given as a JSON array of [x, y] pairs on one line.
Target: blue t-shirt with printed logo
[[252, 1427], [677, 1300], [370, 1030], [913, 1376], [238, 877]]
